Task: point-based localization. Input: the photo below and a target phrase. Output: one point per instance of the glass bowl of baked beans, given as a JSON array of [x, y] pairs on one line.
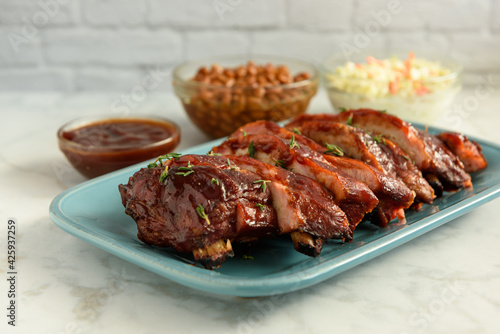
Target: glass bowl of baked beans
[[220, 94]]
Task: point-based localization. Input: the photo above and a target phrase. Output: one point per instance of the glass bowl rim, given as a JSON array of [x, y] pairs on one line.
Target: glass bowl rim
[[88, 120], [208, 61]]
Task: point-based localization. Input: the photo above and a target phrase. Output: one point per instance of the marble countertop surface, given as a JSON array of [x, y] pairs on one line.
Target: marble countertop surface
[[446, 281]]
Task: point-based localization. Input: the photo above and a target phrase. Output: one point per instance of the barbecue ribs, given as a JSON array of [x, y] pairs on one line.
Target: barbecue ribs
[[203, 204]]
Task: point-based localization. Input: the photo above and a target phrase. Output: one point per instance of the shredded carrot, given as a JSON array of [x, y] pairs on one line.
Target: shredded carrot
[[422, 90], [409, 64], [372, 60], [394, 86]]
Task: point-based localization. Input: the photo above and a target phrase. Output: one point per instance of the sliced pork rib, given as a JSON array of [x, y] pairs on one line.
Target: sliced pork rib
[[408, 172], [192, 214], [352, 196], [445, 165], [431, 157], [469, 152], [376, 151], [393, 196], [354, 142], [300, 202], [304, 208], [204, 204]]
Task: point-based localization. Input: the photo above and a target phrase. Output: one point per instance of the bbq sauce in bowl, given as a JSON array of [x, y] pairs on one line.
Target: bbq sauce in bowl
[[96, 146]]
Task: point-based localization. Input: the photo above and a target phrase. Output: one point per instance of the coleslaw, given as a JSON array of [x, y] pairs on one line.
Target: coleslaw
[[413, 88], [392, 76]]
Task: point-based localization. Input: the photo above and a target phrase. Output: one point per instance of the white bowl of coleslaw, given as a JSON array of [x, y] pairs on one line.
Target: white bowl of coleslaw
[[412, 86]]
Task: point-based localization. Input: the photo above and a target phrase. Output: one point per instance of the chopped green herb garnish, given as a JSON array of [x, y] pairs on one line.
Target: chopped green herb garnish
[[263, 186], [251, 150], [349, 120], [201, 212], [293, 143], [404, 156], [247, 257], [296, 131], [187, 170], [383, 111], [334, 150], [260, 206], [163, 175], [214, 180], [185, 173], [212, 154], [342, 109], [159, 160], [169, 156], [244, 132], [379, 139], [280, 163], [229, 164]]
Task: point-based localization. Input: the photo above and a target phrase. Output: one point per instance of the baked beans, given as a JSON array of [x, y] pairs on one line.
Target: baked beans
[[227, 98]]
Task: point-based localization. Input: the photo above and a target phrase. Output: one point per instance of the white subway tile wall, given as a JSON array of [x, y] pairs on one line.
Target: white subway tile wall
[[109, 45]]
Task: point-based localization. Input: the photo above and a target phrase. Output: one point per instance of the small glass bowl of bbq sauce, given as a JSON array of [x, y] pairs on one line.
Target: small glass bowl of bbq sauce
[[102, 144]]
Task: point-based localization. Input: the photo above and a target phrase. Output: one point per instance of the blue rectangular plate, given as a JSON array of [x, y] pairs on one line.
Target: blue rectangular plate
[[92, 211]]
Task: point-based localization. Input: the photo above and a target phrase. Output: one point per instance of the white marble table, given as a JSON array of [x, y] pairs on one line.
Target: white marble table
[[447, 281]]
